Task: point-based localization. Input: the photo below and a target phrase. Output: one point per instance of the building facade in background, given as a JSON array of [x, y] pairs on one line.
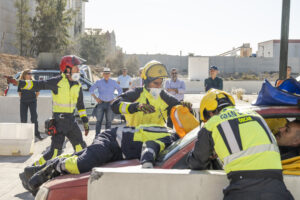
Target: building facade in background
[[266, 60], [271, 48], [8, 22]]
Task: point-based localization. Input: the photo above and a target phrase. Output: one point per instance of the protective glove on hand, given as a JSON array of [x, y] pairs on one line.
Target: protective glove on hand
[[188, 105], [86, 128], [146, 108], [11, 80]]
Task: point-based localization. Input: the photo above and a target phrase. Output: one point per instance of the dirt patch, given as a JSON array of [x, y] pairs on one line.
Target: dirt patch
[[11, 64]]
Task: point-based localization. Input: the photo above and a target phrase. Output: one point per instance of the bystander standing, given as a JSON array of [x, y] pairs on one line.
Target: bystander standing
[[175, 86], [213, 81], [28, 100], [106, 88], [138, 81], [124, 80]]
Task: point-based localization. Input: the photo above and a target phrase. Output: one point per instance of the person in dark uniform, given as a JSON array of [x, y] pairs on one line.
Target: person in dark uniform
[[66, 95], [245, 145], [28, 100], [213, 81]]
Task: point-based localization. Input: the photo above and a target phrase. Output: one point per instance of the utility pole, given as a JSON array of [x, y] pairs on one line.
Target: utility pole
[[21, 30], [285, 20]]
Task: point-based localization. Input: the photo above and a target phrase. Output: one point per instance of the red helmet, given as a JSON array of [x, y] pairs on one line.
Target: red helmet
[[70, 61]]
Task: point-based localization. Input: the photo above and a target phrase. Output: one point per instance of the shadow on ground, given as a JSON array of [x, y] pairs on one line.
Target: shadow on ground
[[25, 195], [13, 159]]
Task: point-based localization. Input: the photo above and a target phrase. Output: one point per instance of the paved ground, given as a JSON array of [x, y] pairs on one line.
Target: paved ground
[[10, 167]]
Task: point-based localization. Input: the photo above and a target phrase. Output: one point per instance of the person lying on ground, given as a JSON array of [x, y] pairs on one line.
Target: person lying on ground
[[121, 143]]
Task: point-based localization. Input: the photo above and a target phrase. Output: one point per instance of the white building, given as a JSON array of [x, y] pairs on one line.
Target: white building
[[8, 21], [271, 48]]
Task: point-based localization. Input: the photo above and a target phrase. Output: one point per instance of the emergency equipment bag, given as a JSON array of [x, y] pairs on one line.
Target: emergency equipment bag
[[183, 120], [50, 127], [288, 93]]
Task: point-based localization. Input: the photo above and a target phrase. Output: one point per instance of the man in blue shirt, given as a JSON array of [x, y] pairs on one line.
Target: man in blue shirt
[[124, 80], [175, 87], [106, 88]]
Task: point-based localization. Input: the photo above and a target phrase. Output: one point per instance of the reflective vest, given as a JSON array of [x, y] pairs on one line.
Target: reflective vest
[[159, 117], [243, 141], [66, 98]]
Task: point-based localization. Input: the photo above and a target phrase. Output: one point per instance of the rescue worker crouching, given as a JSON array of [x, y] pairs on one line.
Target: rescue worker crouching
[[67, 95], [244, 144]]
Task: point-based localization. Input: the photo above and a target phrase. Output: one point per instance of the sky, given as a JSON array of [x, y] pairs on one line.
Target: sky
[[202, 27]]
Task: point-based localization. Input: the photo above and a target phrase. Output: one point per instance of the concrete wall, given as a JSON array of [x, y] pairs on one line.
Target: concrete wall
[[230, 64], [250, 87], [179, 62], [10, 110]]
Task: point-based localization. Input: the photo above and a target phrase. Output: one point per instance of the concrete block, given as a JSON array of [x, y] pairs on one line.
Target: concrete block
[[148, 184], [134, 183], [10, 110], [16, 139]]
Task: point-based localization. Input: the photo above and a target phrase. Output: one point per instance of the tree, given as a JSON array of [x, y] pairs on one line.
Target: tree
[[116, 62], [50, 26], [23, 29], [132, 64], [92, 47]]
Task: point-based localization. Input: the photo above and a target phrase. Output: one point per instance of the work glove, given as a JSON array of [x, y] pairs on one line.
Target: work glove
[[86, 128], [188, 105], [146, 108], [11, 80]]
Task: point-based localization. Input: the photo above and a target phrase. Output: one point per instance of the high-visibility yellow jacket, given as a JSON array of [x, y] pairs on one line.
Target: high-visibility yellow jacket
[[241, 139], [67, 95], [127, 104]]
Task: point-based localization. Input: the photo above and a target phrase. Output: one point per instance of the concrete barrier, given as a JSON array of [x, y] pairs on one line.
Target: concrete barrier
[[10, 110], [134, 183], [250, 87], [16, 139]]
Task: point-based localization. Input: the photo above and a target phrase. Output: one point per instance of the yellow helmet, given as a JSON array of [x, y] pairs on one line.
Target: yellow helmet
[[211, 101], [153, 70]]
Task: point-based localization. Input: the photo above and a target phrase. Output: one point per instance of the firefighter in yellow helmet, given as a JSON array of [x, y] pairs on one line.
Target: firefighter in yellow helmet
[[244, 144], [149, 104]]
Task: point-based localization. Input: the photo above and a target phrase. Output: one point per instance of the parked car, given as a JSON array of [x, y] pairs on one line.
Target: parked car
[[174, 157], [89, 101]]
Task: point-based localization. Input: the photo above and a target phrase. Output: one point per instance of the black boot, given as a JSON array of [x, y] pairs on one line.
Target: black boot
[[38, 136], [42, 176], [28, 173]]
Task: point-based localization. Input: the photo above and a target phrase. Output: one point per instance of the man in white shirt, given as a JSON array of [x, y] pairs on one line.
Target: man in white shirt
[[124, 80], [175, 86], [137, 81]]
